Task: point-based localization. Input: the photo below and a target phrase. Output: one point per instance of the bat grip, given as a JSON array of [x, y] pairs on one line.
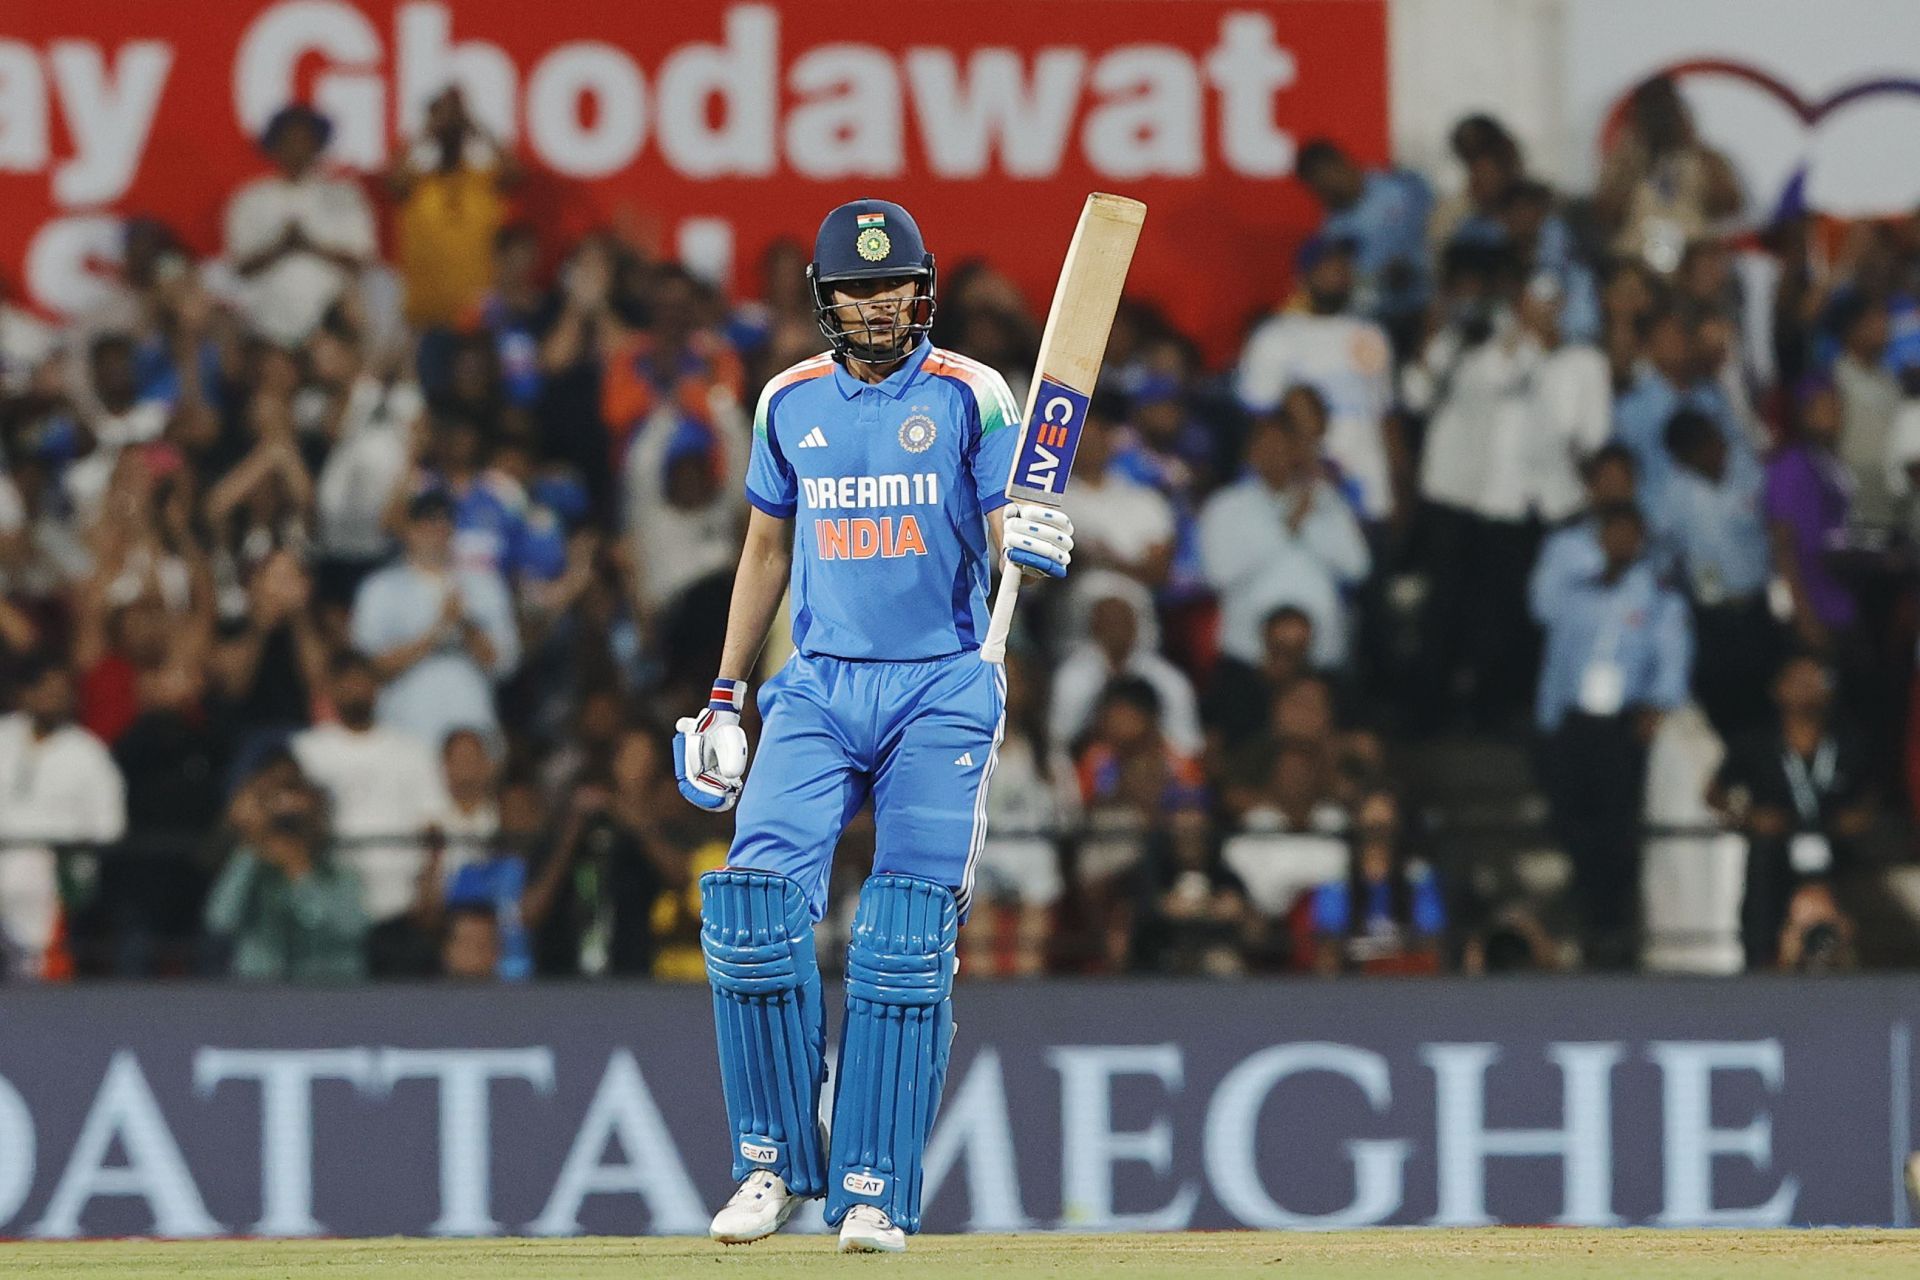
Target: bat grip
[[994, 647]]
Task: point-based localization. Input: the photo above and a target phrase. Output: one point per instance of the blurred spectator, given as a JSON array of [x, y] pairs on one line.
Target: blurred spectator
[[1241, 696], [1384, 213], [1346, 359], [591, 902], [675, 367], [1491, 160], [370, 422], [26, 343], [268, 665], [1817, 937], [489, 509], [1666, 380], [1809, 503], [516, 315], [497, 879], [384, 786], [1801, 794], [1713, 527], [285, 910], [1869, 399], [449, 186], [1387, 916], [470, 943], [1542, 240], [1660, 186], [683, 515], [61, 788], [470, 817], [1282, 535], [439, 635], [1511, 414], [1017, 879], [1121, 639], [1618, 655], [297, 239], [1192, 915], [1119, 523]]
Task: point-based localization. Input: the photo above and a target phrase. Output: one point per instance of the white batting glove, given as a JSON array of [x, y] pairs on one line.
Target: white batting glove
[[1038, 538], [710, 749]]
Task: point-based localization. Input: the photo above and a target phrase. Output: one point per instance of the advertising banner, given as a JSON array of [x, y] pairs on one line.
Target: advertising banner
[[1100, 1106], [712, 130]]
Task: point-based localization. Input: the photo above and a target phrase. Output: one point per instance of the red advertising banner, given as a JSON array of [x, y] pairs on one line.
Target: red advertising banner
[[714, 129]]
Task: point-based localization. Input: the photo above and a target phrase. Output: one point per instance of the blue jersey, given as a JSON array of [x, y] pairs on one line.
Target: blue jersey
[[888, 486]]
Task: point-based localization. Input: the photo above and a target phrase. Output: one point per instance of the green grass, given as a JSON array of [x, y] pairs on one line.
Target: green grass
[[1357, 1255]]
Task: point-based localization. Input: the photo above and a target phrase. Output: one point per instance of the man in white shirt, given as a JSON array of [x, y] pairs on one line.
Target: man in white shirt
[[384, 786], [683, 512], [1118, 523], [1345, 358], [470, 818], [372, 420], [297, 239], [57, 784], [440, 635], [1513, 414], [1282, 535], [1119, 638]]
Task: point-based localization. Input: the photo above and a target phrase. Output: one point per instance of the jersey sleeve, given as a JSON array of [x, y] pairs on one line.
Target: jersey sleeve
[[771, 485], [999, 437]]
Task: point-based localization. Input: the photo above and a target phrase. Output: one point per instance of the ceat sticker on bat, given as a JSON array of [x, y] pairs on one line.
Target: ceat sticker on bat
[[1046, 452]]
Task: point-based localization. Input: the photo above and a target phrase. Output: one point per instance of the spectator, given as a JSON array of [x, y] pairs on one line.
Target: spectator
[[1121, 639], [516, 315], [1282, 535], [1387, 916], [684, 517], [1660, 186], [675, 364], [1345, 358], [1192, 916], [449, 185], [591, 903], [1869, 399], [1119, 523], [438, 635], [1666, 380], [287, 913], [1030, 806], [1809, 504], [371, 423], [1511, 414], [297, 239], [62, 789], [385, 790], [470, 943], [26, 343], [1817, 937], [1384, 214], [470, 818], [1491, 160], [1574, 548], [489, 509], [1800, 792], [1239, 702], [499, 878], [1618, 654], [1713, 527]]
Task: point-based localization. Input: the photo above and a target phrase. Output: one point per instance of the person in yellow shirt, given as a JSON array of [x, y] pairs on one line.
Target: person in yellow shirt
[[450, 188]]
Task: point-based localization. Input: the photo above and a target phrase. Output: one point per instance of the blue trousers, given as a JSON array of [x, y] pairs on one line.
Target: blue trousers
[[919, 737]]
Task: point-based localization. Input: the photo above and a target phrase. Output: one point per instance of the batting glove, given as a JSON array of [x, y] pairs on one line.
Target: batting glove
[[710, 749], [1038, 538]]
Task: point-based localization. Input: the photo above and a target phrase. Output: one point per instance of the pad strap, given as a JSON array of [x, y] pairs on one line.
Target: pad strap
[[893, 1045], [757, 934]]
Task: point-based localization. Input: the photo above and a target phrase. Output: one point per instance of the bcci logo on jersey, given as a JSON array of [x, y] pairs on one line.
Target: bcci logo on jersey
[[1046, 451]]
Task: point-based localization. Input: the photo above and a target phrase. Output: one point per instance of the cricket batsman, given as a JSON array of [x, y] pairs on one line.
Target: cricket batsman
[[877, 481]]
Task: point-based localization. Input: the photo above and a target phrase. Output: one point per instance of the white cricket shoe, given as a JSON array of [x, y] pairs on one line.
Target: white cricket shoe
[[866, 1229], [759, 1208]]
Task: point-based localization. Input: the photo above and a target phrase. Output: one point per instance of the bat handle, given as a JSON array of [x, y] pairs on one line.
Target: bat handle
[[994, 647]]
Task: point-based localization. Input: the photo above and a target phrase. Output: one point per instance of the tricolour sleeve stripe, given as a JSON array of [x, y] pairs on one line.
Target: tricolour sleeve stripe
[[990, 390], [818, 367]]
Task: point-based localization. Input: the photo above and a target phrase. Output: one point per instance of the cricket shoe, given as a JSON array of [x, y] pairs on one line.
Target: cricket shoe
[[759, 1208], [868, 1230]]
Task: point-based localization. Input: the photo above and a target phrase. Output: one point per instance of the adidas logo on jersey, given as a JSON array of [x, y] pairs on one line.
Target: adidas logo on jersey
[[814, 439], [966, 760]]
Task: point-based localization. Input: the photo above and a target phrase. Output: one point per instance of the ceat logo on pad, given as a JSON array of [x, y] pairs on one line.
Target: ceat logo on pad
[[759, 1154], [863, 1184]]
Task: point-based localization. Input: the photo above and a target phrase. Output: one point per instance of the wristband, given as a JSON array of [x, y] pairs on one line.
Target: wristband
[[728, 695]]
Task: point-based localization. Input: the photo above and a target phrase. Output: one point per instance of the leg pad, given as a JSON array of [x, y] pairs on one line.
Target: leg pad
[[893, 1045], [757, 934]]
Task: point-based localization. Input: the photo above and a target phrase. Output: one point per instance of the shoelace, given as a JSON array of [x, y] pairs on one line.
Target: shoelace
[[757, 1183]]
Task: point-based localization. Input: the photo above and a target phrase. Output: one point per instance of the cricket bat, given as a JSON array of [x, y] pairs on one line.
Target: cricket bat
[[1071, 349]]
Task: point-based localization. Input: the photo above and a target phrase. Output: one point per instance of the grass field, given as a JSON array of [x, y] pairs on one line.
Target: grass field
[[1359, 1255]]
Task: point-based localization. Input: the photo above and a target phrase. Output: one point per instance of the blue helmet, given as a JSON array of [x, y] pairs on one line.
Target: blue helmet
[[869, 240]]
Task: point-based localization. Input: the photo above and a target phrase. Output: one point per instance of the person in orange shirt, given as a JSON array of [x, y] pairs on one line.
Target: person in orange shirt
[[450, 188], [675, 360]]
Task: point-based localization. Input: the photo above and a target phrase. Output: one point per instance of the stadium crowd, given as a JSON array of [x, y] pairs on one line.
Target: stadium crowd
[[347, 600]]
